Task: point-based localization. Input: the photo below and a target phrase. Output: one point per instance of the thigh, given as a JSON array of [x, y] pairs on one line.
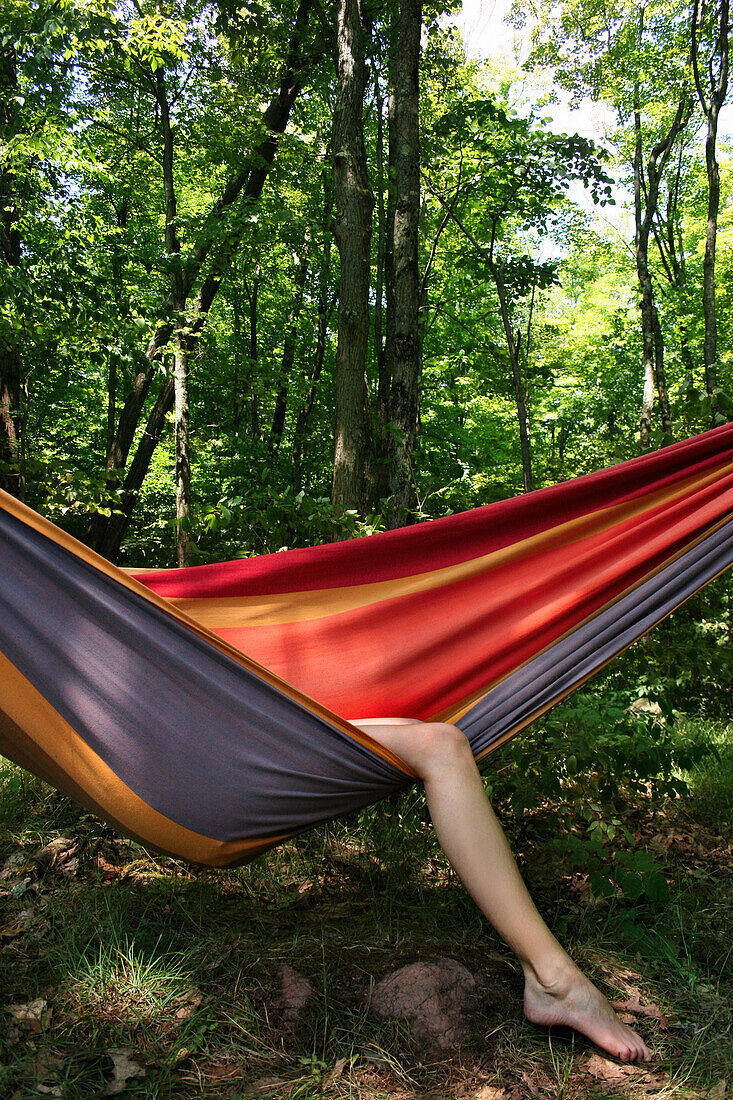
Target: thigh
[[418, 743]]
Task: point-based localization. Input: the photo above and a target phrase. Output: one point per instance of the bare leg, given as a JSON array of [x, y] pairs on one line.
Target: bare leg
[[556, 992]]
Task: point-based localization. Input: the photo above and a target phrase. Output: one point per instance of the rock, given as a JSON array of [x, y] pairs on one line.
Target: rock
[[295, 992], [433, 996]]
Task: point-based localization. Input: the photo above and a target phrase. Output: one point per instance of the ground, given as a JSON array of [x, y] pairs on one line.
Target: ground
[[346, 964]]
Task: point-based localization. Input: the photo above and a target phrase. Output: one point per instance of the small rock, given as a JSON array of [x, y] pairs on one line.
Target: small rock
[[433, 996], [295, 992]]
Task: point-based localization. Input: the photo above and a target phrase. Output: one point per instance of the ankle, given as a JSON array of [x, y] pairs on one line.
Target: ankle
[[551, 975]]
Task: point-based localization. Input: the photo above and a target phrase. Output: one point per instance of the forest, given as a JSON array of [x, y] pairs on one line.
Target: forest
[[282, 273], [270, 279]]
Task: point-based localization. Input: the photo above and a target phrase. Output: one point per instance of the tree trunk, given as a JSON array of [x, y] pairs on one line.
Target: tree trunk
[[324, 310], [520, 399], [647, 346], [385, 380], [708, 290], [646, 201], [289, 346], [403, 349], [711, 104], [661, 379], [513, 346], [182, 449], [353, 447], [237, 397], [114, 530], [11, 471], [251, 379], [382, 383], [121, 214]]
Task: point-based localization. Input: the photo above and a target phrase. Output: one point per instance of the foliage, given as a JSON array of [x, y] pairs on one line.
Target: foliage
[[603, 750], [83, 146]]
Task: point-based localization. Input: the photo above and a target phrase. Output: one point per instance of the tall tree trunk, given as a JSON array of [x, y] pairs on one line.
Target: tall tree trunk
[[182, 449], [647, 352], [116, 527], [403, 348], [237, 396], [660, 379], [11, 466], [646, 201], [668, 235], [711, 104], [324, 310], [645, 281], [253, 408], [353, 446], [385, 380], [514, 347], [382, 388], [290, 344], [122, 213], [218, 240]]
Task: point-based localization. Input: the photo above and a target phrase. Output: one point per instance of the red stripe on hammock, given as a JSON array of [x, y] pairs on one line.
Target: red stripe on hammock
[[418, 654], [451, 540]]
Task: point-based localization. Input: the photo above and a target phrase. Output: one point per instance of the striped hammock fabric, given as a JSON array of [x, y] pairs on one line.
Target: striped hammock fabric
[[205, 711]]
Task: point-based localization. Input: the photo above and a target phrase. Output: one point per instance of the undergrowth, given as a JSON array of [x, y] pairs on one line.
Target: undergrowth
[[120, 970]]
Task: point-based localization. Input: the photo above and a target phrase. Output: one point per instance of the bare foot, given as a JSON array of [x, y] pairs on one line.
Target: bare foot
[[575, 1002]]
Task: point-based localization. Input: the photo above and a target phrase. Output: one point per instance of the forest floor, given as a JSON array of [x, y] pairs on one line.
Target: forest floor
[[126, 973]]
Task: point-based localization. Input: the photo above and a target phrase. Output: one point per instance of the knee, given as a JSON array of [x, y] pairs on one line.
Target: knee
[[444, 746]]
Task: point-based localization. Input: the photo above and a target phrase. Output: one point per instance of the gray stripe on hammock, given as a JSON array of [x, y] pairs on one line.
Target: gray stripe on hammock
[[551, 675], [194, 734]]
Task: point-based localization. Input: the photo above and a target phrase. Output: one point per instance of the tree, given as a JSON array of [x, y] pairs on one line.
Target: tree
[[354, 200], [403, 348], [11, 474], [198, 280], [518, 175], [712, 25], [629, 56]]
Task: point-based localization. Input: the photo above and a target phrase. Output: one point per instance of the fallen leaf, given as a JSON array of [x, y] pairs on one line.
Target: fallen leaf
[[488, 1092], [56, 848], [11, 930], [221, 1071], [264, 1086], [124, 1070], [31, 1015], [717, 1092], [604, 1068], [531, 1085], [13, 863], [334, 1073], [191, 1002], [635, 1008]]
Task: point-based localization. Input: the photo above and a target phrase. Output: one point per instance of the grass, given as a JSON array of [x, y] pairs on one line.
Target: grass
[[120, 969]]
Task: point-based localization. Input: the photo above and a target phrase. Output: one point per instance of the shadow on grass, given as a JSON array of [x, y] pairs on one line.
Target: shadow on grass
[[125, 972]]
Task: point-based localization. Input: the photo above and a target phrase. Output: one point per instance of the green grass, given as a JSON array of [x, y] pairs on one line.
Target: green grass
[[711, 782], [180, 966]]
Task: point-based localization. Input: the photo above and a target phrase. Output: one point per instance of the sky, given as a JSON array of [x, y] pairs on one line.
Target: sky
[[487, 35]]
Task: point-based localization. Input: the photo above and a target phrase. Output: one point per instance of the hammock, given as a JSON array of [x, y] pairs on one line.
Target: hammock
[[205, 711]]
